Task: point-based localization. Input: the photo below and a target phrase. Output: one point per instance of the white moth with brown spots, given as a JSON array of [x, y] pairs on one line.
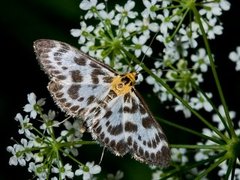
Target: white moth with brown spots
[[113, 110]]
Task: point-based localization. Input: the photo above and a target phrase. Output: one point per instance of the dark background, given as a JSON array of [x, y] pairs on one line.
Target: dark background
[[24, 21]]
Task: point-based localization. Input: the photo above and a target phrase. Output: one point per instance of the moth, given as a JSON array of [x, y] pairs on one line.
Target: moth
[[113, 111]]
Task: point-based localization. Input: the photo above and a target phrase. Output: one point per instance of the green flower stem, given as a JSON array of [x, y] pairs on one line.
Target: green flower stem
[[71, 157], [214, 72], [180, 23], [197, 88], [185, 103], [214, 139], [213, 147], [185, 168], [69, 144], [231, 168]]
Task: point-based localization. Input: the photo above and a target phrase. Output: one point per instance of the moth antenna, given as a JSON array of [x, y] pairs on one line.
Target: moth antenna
[[101, 158], [61, 122], [146, 51]]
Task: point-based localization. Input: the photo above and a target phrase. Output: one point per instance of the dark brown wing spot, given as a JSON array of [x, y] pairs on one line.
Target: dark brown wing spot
[[108, 114], [106, 140], [112, 94], [54, 86], [98, 129], [141, 151], [62, 100], [102, 135], [95, 79], [73, 91], [149, 144], [80, 99], [94, 65], [97, 72], [107, 79], [121, 147], [112, 144], [63, 51], [127, 98], [129, 141], [147, 154], [76, 76], [115, 130], [81, 61], [61, 77], [142, 110], [64, 68], [154, 144], [59, 94], [162, 136], [130, 127], [148, 122], [74, 108], [57, 54], [135, 146], [107, 123], [90, 99], [56, 72], [133, 109]]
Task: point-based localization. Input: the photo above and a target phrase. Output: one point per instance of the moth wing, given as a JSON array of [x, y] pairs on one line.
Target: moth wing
[[126, 125], [77, 80], [144, 136]]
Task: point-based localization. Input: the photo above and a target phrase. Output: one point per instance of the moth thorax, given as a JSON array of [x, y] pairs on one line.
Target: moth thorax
[[122, 84]]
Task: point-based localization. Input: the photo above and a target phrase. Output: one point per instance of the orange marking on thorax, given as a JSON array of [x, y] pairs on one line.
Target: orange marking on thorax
[[122, 84]]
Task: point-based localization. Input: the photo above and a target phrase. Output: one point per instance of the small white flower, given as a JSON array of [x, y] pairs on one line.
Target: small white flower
[[189, 36], [25, 125], [201, 102], [145, 26], [18, 157], [225, 5], [235, 57], [170, 56], [88, 170], [139, 46], [49, 121], [151, 8], [64, 171], [91, 6], [157, 175], [33, 104], [211, 28], [119, 175], [166, 22], [82, 33], [203, 154], [126, 11], [107, 15], [218, 120], [73, 133], [201, 60], [181, 107], [38, 169], [224, 168], [179, 155], [214, 8]]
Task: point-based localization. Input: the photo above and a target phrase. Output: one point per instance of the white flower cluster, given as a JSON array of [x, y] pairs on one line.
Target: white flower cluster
[[40, 149], [208, 153], [115, 34], [211, 151]]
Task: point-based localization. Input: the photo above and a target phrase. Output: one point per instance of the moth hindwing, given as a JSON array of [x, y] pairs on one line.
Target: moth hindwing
[[113, 110]]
